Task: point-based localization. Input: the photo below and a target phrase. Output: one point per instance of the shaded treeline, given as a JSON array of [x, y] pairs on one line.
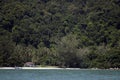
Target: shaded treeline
[[64, 33]]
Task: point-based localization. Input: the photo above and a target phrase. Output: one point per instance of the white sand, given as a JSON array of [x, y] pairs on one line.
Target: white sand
[[37, 68], [7, 68], [55, 68]]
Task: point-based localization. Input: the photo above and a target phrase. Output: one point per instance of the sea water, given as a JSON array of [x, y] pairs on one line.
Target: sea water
[[59, 74]]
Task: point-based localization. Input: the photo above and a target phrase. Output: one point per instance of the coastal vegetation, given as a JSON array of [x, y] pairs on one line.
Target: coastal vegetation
[[64, 33]]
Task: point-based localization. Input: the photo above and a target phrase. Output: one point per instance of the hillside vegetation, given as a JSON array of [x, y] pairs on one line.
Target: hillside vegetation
[[64, 33]]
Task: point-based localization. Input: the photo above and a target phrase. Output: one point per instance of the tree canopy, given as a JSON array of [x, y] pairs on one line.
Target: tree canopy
[[65, 33]]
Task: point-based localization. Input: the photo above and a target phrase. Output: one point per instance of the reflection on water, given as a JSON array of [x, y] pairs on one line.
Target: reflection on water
[[59, 74]]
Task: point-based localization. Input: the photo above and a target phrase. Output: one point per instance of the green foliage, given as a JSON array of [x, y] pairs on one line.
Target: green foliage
[[45, 56], [67, 49], [113, 58], [65, 33], [6, 48]]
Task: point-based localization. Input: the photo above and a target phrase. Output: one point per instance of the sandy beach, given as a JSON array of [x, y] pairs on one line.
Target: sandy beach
[[29, 68], [55, 68], [38, 68]]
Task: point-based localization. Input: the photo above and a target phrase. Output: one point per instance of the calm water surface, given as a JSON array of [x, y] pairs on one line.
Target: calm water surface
[[59, 74]]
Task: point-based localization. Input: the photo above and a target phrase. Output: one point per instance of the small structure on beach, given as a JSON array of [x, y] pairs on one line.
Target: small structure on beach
[[29, 64]]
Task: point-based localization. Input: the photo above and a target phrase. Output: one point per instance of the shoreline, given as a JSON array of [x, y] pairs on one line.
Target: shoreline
[[35, 68], [54, 68]]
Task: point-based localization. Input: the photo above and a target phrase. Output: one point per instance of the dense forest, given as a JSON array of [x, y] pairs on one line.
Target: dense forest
[[64, 33]]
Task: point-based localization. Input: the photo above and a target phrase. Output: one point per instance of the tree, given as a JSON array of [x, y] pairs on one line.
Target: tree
[[67, 49], [6, 48]]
